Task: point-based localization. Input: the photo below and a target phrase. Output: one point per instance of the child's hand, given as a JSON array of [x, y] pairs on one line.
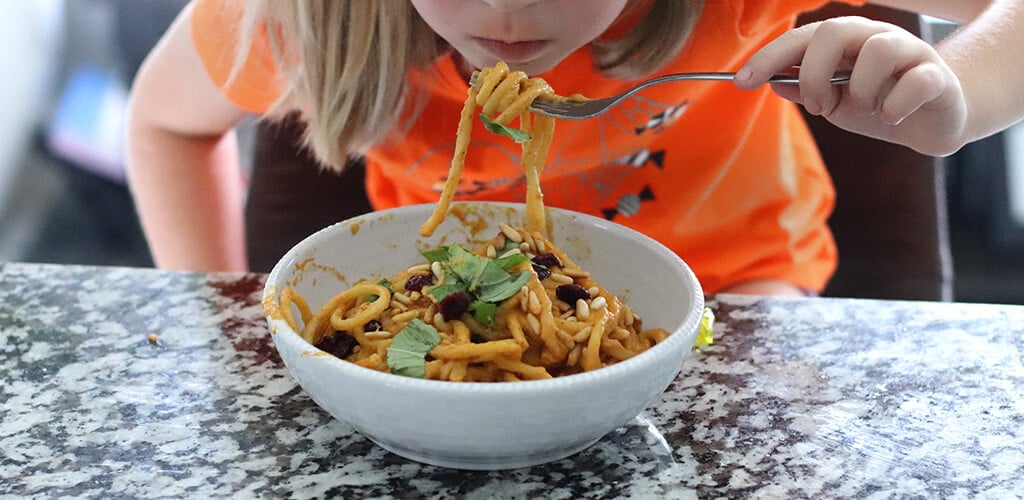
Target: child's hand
[[900, 89]]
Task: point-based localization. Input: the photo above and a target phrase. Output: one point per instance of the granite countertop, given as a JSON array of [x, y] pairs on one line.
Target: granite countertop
[[797, 398]]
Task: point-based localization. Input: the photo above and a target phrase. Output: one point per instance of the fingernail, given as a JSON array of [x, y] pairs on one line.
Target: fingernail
[[743, 75], [813, 108]]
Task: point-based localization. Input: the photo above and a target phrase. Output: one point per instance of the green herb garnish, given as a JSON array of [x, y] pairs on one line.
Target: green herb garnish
[[509, 245], [486, 280], [384, 283], [513, 133], [408, 352], [439, 292], [483, 312], [511, 261], [439, 254]]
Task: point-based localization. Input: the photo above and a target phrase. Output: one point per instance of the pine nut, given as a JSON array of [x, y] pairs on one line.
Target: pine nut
[[566, 339], [534, 303], [534, 323], [561, 279], [404, 317], [439, 322], [379, 334], [514, 251], [530, 242], [419, 268], [582, 309], [582, 335], [510, 233]]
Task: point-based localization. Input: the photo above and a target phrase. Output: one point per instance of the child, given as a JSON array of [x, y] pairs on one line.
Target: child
[[726, 175]]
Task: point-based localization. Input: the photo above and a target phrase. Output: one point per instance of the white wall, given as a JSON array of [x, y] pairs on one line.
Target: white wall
[[30, 33]]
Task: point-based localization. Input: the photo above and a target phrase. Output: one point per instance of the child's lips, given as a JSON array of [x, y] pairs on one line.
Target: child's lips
[[512, 51]]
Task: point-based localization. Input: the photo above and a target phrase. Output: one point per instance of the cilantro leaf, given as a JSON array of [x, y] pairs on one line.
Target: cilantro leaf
[[509, 245], [511, 261], [407, 354], [438, 254], [467, 265], [513, 133], [439, 292], [483, 312], [488, 280], [504, 289]]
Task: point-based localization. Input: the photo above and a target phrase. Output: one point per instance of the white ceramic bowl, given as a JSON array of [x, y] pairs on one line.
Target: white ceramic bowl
[[487, 425]]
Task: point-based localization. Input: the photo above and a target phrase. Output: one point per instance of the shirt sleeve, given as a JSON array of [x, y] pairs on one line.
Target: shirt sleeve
[[215, 29]]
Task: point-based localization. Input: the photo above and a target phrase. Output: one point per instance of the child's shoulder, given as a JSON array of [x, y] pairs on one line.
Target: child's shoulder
[[216, 35]]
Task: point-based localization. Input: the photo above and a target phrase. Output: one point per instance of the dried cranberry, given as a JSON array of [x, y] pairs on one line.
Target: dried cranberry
[[416, 282], [340, 344], [548, 260], [542, 272], [373, 326], [454, 305], [571, 293]]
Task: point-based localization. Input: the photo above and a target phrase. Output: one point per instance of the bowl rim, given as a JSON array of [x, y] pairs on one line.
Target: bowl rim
[[279, 327]]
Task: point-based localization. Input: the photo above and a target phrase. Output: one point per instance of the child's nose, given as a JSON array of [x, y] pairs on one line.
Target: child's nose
[[509, 5]]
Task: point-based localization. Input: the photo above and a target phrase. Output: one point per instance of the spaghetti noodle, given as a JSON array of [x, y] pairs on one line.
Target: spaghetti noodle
[[503, 95], [517, 308]]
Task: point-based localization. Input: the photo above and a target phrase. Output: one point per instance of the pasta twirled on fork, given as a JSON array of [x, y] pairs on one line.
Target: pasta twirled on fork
[[504, 96]]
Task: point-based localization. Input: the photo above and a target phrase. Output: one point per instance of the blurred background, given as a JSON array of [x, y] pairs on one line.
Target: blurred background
[[63, 197]]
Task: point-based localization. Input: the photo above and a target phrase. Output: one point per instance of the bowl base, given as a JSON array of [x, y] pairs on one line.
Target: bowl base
[[484, 462]]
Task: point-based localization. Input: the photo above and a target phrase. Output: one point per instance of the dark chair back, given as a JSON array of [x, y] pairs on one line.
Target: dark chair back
[[890, 221], [291, 196]]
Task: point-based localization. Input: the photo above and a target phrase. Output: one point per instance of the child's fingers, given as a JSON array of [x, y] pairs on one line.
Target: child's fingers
[[834, 45], [787, 91], [882, 59], [918, 86], [781, 54]]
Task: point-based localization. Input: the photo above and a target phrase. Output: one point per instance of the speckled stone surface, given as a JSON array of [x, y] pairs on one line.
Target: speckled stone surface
[[797, 398]]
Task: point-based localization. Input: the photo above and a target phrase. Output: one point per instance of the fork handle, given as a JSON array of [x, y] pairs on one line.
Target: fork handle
[[787, 78], [838, 79]]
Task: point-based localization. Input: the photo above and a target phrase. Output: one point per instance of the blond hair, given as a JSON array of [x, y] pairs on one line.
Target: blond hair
[[339, 60]]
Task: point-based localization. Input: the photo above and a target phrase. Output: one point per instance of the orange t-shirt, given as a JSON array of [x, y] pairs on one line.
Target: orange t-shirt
[[730, 180]]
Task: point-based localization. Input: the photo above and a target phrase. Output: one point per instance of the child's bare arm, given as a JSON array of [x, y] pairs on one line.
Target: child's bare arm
[[932, 99], [182, 160]]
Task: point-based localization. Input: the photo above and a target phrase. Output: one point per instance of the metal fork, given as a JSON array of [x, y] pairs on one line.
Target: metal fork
[[581, 110]]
